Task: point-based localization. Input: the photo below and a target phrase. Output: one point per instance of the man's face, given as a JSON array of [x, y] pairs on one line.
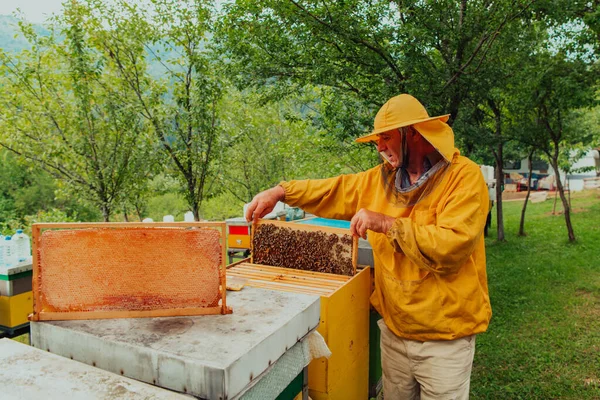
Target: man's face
[[389, 146]]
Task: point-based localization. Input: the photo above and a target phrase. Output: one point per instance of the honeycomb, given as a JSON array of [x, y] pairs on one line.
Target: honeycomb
[[309, 250], [132, 269]]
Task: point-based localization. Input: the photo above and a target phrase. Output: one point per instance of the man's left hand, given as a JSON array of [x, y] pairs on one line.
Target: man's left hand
[[365, 220]]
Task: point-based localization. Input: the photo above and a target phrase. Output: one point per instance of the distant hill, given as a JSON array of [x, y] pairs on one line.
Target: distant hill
[[11, 40], [10, 37]]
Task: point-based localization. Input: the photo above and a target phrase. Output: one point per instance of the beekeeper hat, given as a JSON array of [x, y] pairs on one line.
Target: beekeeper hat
[[397, 112]]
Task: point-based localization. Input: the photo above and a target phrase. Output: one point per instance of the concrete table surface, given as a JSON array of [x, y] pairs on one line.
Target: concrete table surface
[[30, 374], [211, 356]]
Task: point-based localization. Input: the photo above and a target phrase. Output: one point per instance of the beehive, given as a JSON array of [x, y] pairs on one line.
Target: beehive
[[127, 270], [344, 324], [16, 299], [304, 247], [238, 233], [319, 260]]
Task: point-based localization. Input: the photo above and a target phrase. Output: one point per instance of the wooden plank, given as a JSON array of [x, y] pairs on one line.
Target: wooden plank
[[286, 279], [242, 261], [223, 269], [35, 283], [171, 312], [299, 272], [82, 225], [287, 287], [304, 227]]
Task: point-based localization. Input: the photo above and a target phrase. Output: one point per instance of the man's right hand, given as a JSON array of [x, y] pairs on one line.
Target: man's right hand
[[264, 202]]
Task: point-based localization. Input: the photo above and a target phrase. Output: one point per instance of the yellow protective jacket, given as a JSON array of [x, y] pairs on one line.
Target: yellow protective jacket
[[430, 271]]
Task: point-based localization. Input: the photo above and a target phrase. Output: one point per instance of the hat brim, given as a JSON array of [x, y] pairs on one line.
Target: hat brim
[[375, 134]]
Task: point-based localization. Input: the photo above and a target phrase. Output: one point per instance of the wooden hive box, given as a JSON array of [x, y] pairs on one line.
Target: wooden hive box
[[344, 301], [16, 298], [128, 270]]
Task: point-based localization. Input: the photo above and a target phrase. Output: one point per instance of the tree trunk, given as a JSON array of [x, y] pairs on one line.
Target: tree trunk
[[138, 211], [125, 216], [499, 189], [105, 212], [569, 190], [563, 198], [522, 224], [196, 210], [499, 170], [554, 206]]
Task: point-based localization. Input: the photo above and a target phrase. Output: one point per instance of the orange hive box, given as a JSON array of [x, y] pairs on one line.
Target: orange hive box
[[127, 270]]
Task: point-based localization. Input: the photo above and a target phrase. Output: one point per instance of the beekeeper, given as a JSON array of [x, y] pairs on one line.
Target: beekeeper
[[424, 209]]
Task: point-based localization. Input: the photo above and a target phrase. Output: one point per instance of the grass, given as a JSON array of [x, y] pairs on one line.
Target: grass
[[544, 338]]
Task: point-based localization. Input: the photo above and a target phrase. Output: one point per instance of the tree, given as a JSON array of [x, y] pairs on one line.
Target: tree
[[485, 119], [558, 86], [181, 106], [64, 109], [524, 209], [26, 190], [267, 143], [365, 50]]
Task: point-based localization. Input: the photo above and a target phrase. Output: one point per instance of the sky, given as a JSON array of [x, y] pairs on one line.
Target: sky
[[34, 10], [37, 11]]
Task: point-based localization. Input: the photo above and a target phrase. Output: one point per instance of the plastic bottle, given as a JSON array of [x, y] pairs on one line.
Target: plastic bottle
[[23, 244], [10, 252], [2, 263]]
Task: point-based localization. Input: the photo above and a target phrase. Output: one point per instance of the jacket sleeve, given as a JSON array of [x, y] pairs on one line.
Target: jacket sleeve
[[336, 197], [443, 243]]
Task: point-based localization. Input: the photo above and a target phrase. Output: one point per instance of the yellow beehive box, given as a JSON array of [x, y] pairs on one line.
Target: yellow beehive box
[[238, 241], [15, 309], [238, 233], [344, 324]]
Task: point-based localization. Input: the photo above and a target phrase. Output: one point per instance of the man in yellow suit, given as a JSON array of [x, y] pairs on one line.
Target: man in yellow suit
[[425, 209]]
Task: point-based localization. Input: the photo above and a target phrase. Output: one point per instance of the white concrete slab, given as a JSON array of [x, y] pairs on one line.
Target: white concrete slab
[[212, 357], [28, 373]]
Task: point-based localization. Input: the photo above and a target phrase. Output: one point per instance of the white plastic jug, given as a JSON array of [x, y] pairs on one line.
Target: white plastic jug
[[10, 252], [2, 263], [23, 245]]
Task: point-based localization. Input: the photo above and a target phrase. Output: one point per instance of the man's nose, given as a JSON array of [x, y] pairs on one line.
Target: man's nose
[[380, 145]]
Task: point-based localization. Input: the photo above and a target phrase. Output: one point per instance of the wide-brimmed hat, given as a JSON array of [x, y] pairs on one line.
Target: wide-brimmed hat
[[399, 111]]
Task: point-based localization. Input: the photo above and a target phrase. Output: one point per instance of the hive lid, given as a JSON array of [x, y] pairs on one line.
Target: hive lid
[[37, 374], [128, 270], [211, 357]]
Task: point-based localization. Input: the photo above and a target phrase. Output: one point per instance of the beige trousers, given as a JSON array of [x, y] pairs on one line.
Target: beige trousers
[[439, 369]]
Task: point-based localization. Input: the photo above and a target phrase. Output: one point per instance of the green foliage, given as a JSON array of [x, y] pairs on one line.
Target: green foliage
[[366, 51], [64, 109], [51, 215], [181, 106], [221, 207], [265, 144], [166, 204], [25, 191]]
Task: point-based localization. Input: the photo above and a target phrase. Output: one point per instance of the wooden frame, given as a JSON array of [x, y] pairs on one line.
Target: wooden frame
[[307, 228], [40, 315]]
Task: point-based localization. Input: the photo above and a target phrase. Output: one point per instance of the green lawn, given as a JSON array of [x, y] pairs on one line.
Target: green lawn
[[544, 338]]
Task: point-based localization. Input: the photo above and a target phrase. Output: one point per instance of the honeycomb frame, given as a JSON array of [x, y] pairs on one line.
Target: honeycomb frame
[[45, 312], [319, 262]]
